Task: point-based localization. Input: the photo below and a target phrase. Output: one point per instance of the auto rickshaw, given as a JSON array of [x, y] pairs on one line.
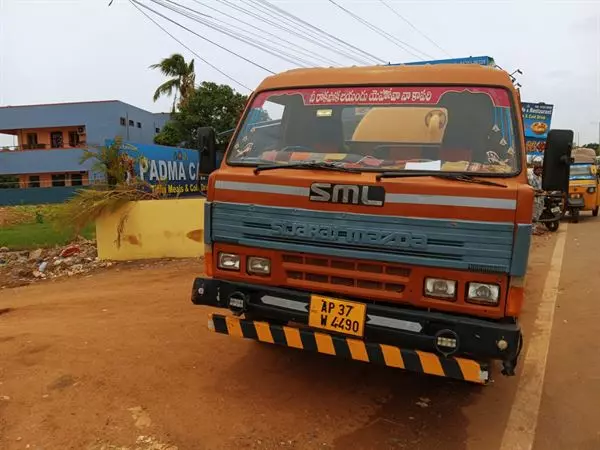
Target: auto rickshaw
[[583, 183]]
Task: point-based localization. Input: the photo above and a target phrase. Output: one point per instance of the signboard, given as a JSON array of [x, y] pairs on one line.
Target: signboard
[[480, 60], [535, 145], [170, 171], [537, 118]]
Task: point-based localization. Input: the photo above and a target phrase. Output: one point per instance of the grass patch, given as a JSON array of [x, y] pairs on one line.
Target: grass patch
[[27, 227], [15, 215], [39, 235]]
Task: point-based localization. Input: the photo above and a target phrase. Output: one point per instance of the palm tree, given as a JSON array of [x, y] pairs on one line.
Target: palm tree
[[183, 79]]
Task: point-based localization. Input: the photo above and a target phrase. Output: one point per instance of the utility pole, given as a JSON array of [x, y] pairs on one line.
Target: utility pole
[[597, 122]]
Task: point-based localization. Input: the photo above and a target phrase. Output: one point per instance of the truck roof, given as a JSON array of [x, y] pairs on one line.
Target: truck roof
[[456, 74]]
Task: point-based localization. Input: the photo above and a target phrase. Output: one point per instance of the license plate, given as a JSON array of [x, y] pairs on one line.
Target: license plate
[[555, 210], [337, 315]]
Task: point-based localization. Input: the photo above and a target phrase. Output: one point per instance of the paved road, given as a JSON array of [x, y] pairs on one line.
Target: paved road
[[122, 360]]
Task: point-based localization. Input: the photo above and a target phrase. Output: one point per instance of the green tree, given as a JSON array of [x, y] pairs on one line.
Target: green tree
[[182, 82], [211, 105], [169, 135], [111, 161]]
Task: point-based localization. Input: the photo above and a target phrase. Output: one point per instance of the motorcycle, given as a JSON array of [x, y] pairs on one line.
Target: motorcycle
[[554, 205]]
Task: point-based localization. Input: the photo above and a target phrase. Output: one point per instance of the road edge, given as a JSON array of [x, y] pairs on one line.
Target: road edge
[[519, 433]]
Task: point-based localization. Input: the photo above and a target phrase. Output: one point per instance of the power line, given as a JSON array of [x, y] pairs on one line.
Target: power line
[[285, 26], [300, 49], [289, 30], [394, 40], [413, 26], [306, 25], [239, 83], [246, 40], [292, 23], [235, 34], [280, 26], [202, 37]]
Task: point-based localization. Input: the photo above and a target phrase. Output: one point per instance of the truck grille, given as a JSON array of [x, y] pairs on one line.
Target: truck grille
[[317, 272]]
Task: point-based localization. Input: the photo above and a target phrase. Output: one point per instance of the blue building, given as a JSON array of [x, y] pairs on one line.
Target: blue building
[[50, 139]]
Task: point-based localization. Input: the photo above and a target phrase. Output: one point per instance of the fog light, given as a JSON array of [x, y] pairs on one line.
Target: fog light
[[446, 342], [229, 261], [502, 345], [484, 293], [436, 287], [259, 266]]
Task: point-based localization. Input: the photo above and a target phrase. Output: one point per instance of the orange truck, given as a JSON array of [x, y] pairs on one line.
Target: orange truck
[[380, 214]]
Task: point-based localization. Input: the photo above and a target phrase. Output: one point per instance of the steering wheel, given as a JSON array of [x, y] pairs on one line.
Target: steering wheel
[[291, 148]]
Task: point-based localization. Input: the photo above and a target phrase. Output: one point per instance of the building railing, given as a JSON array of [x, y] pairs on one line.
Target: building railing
[[34, 146], [17, 148], [9, 148]]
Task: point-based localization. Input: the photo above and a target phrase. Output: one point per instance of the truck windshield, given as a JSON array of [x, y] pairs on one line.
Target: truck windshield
[[455, 129]]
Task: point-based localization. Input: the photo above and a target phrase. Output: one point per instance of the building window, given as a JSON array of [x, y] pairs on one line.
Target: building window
[[73, 138], [59, 180], [32, 141], [157, 130], [34, 181], [139, 125], [56, 139], [76, 179], [131, 123], [123, 121]]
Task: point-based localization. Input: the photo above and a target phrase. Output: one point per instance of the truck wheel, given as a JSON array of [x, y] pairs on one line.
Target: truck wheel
[[552, 226], [595, 211]]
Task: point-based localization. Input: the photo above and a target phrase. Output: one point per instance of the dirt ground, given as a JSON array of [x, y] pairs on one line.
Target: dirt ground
[[122, 360]]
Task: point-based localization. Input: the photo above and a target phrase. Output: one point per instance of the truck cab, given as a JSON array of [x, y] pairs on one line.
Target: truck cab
[[381, 214]]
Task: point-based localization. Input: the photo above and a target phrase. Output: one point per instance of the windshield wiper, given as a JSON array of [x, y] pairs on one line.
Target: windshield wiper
[[320, 165], [446, 176]]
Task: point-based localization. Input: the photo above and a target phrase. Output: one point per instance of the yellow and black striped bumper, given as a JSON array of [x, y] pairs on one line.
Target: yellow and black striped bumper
[[307, 339]]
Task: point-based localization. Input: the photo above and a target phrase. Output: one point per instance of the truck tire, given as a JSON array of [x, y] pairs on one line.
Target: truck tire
[[595, 211], [552, 226]]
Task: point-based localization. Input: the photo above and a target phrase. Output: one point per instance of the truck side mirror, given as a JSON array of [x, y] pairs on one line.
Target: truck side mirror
[[207, 149], [557, 160], [207, 146]]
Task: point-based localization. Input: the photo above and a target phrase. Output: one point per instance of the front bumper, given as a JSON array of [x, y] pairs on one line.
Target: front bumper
[[306, 339], [385, 325]]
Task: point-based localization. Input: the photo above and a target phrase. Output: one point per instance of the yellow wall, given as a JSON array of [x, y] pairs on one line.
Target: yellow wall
[[153, 229]]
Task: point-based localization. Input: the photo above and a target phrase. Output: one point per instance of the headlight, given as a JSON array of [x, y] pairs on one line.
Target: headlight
[[483, 293], [436, 287], [229, 261], [591, 190], [258, 265]]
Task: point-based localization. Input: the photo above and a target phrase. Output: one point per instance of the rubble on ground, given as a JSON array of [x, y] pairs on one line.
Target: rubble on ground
[[19, 268]]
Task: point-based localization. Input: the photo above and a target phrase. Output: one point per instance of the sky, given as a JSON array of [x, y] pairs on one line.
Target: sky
[[79, 50]]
